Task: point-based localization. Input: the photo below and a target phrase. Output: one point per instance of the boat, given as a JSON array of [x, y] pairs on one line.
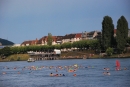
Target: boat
[[31, 60]]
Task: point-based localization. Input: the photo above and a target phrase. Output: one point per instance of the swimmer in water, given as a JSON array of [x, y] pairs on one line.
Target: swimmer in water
[[104, 69], [51, 74], [74, 75], [108, 73], [104, 73], [57, 74], [30, 72], [4, 73], [18, 72], [107, 68], [125, 68]]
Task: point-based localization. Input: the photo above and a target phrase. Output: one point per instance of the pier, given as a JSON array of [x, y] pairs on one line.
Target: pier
[[45, 55]]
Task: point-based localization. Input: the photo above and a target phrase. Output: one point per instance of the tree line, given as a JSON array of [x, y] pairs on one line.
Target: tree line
[[80, 45]]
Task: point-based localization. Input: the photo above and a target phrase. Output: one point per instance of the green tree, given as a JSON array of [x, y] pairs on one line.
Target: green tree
[[58, 46], [122, 34], [128, 41], [107, 32], [109, 51], [67, 45], [6, 51], [49, 39]]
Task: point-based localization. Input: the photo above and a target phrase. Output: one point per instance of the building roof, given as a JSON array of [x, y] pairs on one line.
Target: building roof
[[59, 38], [69, 36], [43, 39], [54, 38], [78, 35], [30, 42], [27, 42], [90, 34]]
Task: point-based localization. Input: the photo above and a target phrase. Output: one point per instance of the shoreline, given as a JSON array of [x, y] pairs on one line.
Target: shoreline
[[75, 58], [67, 56]]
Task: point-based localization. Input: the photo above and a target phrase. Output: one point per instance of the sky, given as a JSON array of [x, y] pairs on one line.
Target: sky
[[22, 20]]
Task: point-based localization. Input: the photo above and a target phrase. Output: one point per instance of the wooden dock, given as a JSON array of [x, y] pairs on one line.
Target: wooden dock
[[44, 55]]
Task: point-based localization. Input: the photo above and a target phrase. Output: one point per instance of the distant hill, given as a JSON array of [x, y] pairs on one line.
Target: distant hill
[[5, 42]]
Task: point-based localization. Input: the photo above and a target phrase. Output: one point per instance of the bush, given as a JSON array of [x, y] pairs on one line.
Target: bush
[[109, 51]]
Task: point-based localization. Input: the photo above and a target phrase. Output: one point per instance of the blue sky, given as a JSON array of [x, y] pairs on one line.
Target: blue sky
[[22, 20]]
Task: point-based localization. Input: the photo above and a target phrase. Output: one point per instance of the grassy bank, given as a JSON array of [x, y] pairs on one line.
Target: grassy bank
[[91, 54], [16, 57], [80, 54]]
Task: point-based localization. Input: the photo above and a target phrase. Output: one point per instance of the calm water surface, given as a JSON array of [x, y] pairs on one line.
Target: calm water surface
[[90, 74]]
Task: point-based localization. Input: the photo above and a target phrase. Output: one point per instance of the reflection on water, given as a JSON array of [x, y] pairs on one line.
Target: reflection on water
[[89, 73]]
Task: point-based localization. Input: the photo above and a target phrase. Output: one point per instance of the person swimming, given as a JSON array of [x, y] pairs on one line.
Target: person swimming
[[106, 69], [18, 72], [4, 73], [117, 68], [63, 74], [104, 73], [60, 75], [108, 73], [125, 68], [74, 75], [51, 74], [56, 74], [30, 72]]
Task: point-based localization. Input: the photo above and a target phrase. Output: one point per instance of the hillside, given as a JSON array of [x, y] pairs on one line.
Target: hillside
[[5, 42]]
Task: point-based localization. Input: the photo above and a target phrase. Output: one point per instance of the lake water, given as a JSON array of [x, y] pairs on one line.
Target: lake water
[[89, 73]]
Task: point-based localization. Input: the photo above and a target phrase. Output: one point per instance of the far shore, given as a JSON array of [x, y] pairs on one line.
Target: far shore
[[72, 58], [68, 55]]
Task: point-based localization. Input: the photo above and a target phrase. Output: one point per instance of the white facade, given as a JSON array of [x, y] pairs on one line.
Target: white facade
[[71, 40], [57, 51], [65, 40], [54, 43], [89, 35], [16, 45]]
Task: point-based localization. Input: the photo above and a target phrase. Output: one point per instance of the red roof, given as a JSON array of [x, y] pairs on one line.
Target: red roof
[[78, 35], [44, 39], [54, 38], [30, 42]]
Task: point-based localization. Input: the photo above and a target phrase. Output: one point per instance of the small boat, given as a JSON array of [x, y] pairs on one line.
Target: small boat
[[31, 60]]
